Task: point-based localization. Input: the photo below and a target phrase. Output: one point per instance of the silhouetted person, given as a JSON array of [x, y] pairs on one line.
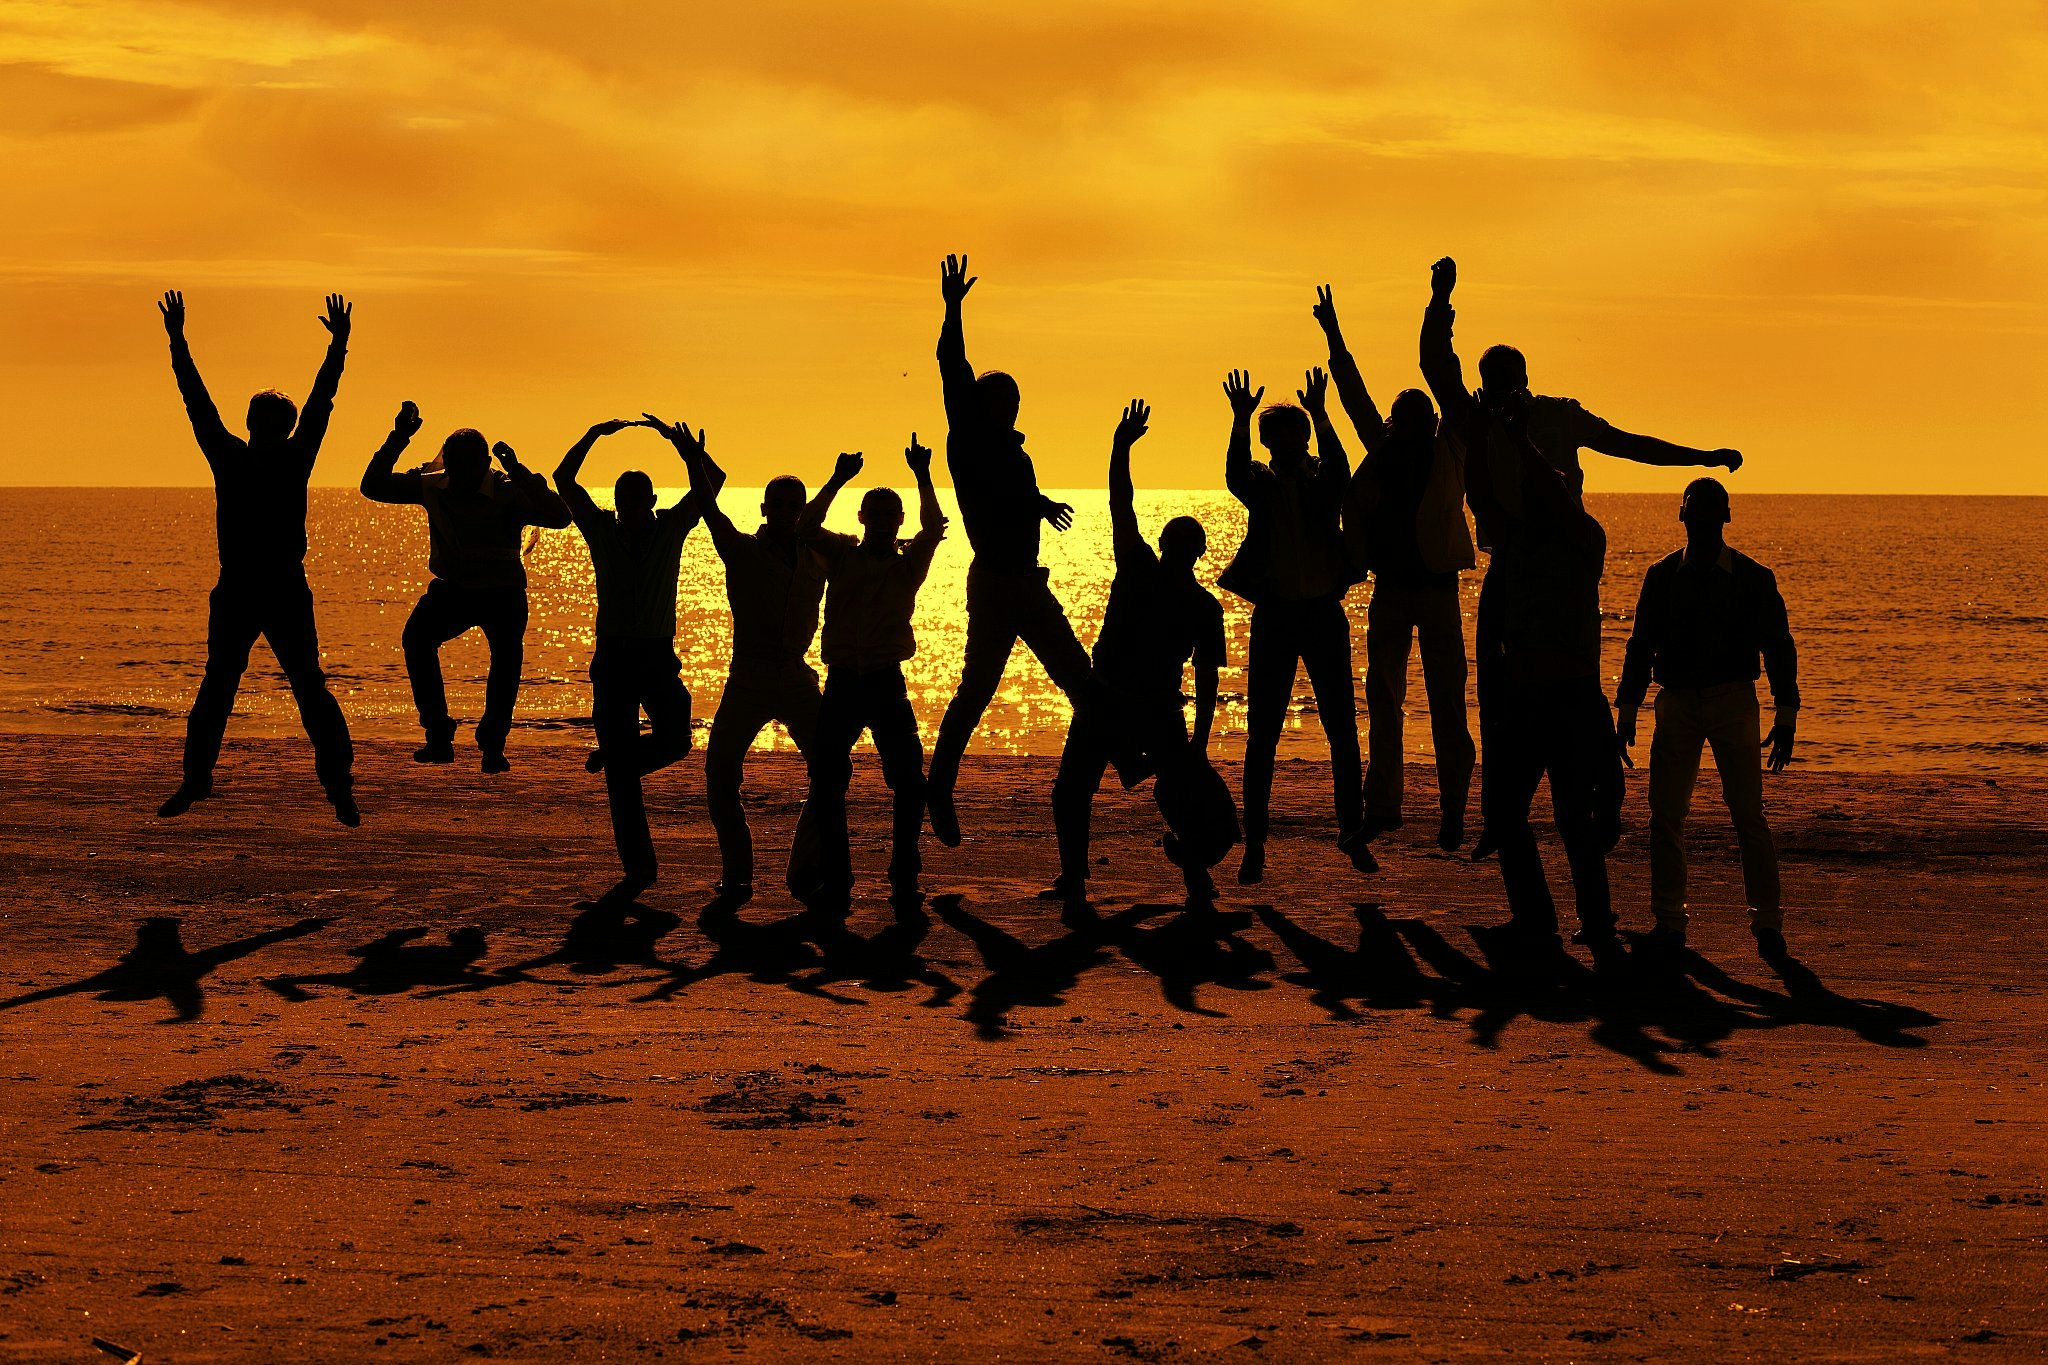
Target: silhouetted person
[[1705, 616], [259, 495], [774, 583], [1404, 520], [474, 518], [870, 595], [1292, 569], [1158, 618], [1009, 597], [636, 554]]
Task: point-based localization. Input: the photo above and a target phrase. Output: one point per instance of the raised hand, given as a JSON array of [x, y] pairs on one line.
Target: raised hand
[[1779, 742], [1060, 514], [607, 428], [506, 455], [1731, 460], [1136, 415], [1316, 394], [954, 281], [1325, 313], [408, 421], [338, 316], [1443, 278], [172, 306], [918, 458], [847, 467], [1238, 389], [1625, 731]]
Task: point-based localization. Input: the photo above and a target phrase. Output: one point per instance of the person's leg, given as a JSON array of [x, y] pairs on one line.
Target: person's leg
[[668, 710], [1733, 728], [1389, 632], [617, 673], [1514, 767], [232, 625], [1082, 763], [1440, 634], [823, 861], [288, 625], [991, 635], [503, 618], [797, 708], [1486, 667], [1674, 769], [743, 709], [1326, 654], [894, 725], [441, 614], [1270, 659], [1043, 626], [1578, 747]]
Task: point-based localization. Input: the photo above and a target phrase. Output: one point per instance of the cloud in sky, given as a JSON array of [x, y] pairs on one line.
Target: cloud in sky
[[1757, 224]]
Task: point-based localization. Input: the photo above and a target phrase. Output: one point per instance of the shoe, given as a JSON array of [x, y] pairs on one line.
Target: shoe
[[1450, 832], [1770, 944], [626, 889], [435, 751], [1608, 952], [1484, 847], [1066, 888], [1376, 825], [345, 809], [938, 802], [191, 790], [1662, 945], [1251, 870], [1201, 887], [1357, 846], [733, 891], [494, 761], [593, 762]]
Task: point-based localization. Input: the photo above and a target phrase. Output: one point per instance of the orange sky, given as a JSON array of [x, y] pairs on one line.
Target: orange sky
[[1812, 230]]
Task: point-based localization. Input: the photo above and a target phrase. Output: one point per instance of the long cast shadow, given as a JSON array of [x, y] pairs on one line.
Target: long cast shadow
[[887, 960], [600, 940], [395, 964], [1199, 946], [779, 952], [160, 966], [1025, 975]]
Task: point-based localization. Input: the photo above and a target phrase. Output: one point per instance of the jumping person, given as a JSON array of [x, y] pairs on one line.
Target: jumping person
[[773, 583], [1009, 597], [474, 518], [259, 493], [1705, 615], [1404, 520], [870, 594], [636, 554], [1158, 618], [1291, 567]]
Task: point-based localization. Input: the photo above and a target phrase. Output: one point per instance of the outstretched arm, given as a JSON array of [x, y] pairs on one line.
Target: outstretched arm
[[541, 505], [380, 483], [931, 518], [706, 478], [1440, 367], [1125, 537], [566, 473], [1237, 457], [313, 417], [956, 376], [1333, 466], [843, 472], [1351, 390], [1612, 440], [213, 434]]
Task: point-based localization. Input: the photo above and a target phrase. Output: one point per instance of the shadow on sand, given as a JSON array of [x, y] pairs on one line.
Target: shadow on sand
[[160, 966]]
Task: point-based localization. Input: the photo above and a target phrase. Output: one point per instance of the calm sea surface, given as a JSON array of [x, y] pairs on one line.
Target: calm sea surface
[[1922, 633]]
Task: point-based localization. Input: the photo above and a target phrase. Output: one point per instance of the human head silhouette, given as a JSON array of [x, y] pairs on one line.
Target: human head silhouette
[[633, 495], [272, 415], [1503, 370], [782, 503], [1412, 417], [881, 513], [1182, 541], [999, 398], [465, 455], [1284, 430], [1704, 509]]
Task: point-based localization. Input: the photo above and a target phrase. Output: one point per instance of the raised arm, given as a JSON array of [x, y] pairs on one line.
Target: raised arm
[[1333, 466], [380, 482], [1440, 367], [843, 472], [956, 376], [1781, 665], [205, 417], [931, 518], [1237, 457], [1612, 440], [1125, 537], [319, 408], [706, 478], [540, 504], [567, 472], [1351, 390]]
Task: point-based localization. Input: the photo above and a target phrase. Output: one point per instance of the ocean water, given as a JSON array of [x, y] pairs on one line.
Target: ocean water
[[1922, 631]]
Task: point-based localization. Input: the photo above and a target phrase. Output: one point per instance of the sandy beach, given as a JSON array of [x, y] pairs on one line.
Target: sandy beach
[[277, 1090]]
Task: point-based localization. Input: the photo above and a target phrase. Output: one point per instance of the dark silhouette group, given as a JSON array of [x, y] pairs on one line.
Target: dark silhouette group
[[1709, 622]]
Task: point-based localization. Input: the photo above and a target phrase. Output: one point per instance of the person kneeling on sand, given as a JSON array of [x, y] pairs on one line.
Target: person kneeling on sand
[[870, 592], [1158, 618], [1705, 615], [636, 554]]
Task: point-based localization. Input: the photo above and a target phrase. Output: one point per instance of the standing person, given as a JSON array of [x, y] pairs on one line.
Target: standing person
[[870, 594], [1705, 615], [1158, 618], [474, 518], [259, 496], [773, 583], [636, 554], [1009, 597], [1292, 569], [1404, 520]]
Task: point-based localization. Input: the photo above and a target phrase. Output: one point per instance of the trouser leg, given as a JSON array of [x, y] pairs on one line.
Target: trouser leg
[[439, 616], [232, 625], [991, 635], [668, 711], [294, 638], [798, 708], [1388, 636], [1440, 635], [825, 860], [1738, 753], [742, 711], [1579, 745], [1082, 763], [894, 725], [617, 677], [504, 625], [1045, 630], [1674, 769], [1514, 766], [1326, 653], [1270, 661]]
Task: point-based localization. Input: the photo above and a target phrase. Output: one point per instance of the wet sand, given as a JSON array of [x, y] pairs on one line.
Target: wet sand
[[277, 1090]]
